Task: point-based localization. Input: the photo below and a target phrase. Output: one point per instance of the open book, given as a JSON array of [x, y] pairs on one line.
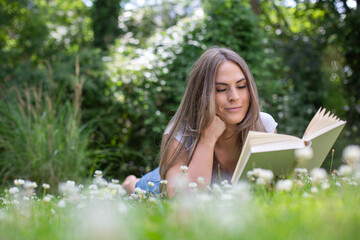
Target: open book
[[277, 151]]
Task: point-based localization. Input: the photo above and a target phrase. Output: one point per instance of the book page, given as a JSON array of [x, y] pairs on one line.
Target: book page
[[321, 123]]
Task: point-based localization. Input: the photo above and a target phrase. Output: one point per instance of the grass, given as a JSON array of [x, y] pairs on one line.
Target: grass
[[41, 137], [245, 211]]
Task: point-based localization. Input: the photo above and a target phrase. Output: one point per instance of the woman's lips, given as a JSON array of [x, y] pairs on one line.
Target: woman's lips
[[233, 109]]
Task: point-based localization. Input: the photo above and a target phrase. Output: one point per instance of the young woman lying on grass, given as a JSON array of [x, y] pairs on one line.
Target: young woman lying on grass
[[220, 106]]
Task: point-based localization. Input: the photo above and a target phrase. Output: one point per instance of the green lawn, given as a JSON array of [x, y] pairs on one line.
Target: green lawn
[[243, 211]]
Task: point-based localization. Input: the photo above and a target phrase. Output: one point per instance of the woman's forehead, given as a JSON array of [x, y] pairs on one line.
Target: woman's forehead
[[228, 71]]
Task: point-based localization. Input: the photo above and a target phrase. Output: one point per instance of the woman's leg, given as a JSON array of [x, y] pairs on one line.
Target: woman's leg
[[129, 183]]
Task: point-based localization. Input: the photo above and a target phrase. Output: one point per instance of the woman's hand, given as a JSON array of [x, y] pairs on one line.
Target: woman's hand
[[214, 130]]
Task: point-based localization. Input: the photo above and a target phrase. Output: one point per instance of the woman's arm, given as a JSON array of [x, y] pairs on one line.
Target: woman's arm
[[201, 162]]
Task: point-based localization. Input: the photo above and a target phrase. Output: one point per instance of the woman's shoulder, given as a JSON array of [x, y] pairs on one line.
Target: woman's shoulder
[[179, 135], [268, 121]]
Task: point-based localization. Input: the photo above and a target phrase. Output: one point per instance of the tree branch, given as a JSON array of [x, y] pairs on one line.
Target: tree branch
[[255, 7]]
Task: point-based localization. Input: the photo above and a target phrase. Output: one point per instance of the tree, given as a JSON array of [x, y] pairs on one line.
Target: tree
[[105, 15]]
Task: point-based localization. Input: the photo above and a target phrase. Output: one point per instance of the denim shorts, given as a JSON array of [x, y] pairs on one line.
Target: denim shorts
[[153, 176]]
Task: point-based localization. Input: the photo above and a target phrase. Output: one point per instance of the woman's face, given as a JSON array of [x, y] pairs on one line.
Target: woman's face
[[232, 95]]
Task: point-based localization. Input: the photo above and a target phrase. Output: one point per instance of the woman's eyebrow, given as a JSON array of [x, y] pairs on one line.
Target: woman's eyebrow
[[220, 83]]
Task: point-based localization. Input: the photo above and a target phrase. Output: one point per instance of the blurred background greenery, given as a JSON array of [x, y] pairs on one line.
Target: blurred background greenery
[[91, 84]]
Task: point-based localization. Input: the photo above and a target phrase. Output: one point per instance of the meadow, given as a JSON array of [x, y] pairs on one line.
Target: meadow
[[311, 205], [88, 85]]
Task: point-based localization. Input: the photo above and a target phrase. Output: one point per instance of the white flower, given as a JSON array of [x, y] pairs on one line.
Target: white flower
[[216, 188], [69, 189], [301, 172], [345, 170], [284, 185], [93, 187], [193, 186], [70, 183], [351, 155], [19, 182], [152, 199], [183, 169], [260, 181], [224, 182], [163, 182], [325, 185], [267, 175], [138, 190], [30, 185], [142, 194], [100, 182], [250, 175], [256, 172], [303, 155], [98, 173], [201, 180], [133, 196], [115, 181], [61, 203], [318, 175], [314, 189], [260, 176], [13, 190], [151, 184], [47, 199], [45, 186]]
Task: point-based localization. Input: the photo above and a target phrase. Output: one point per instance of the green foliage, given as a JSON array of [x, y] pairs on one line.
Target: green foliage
[[105, 14], [41, 138]]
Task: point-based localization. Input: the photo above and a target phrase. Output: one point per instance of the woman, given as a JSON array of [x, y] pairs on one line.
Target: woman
[[220, 106]]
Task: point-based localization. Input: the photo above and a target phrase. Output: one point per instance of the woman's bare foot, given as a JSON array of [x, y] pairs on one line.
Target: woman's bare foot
[[129, 183]]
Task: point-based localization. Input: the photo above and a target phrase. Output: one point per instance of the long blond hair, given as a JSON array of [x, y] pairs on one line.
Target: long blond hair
[[197, 108]]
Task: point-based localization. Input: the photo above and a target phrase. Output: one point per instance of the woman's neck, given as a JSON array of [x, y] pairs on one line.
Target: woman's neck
[[229, 138]]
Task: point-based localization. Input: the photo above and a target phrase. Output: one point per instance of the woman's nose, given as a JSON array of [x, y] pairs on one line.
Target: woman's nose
[[233, 95]]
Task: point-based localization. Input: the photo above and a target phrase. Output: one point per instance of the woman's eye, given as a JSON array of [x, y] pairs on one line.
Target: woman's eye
[[220, 90], [240, 87]]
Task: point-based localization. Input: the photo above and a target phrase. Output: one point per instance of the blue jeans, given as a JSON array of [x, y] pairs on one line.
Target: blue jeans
[[153, 176]]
